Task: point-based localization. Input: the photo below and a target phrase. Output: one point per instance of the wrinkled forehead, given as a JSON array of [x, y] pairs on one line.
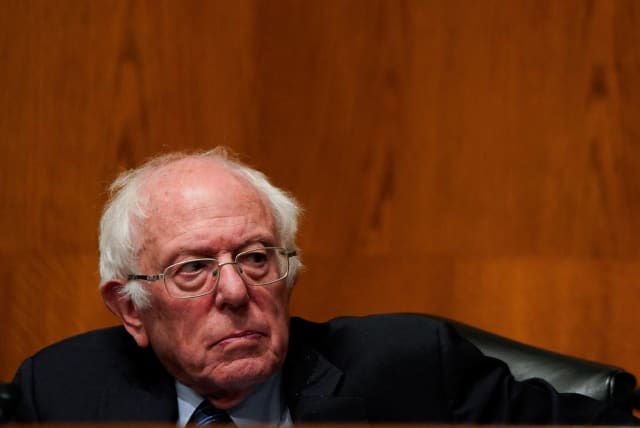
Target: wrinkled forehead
[[184, 188]]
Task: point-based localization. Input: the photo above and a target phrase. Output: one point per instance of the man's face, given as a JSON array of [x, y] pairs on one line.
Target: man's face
[[225, 343]]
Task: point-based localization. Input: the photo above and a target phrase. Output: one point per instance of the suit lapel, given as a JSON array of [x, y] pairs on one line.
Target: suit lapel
[[311, 383]]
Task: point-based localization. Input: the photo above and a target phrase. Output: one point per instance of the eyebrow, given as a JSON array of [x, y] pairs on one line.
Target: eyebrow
[[207, 251]]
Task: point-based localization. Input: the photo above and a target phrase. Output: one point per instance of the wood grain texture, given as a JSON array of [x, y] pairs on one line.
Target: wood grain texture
[[477, 160]]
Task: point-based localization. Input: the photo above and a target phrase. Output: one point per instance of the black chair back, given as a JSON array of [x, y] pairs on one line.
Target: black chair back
[[8, 400], [564, 372]]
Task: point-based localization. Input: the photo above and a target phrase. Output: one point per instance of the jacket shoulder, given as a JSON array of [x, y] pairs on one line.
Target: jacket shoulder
[[368, 342], [77, 378], [387, 328], [110, 339]]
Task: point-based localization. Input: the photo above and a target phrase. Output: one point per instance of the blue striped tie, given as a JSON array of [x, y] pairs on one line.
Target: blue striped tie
[[206, 414]]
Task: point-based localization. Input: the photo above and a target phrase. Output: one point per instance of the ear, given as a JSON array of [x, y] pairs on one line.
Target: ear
[[123, 308]]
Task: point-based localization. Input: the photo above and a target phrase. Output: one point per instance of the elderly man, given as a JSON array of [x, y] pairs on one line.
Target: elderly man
[[198, 260]]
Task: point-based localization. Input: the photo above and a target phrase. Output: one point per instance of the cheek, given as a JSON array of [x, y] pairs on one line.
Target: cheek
[[172, 322], [272, 306], [273, 303], [280, 322], [281, 341], [177, 336]]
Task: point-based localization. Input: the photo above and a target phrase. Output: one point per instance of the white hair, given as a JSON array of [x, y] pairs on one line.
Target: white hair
[[124, 215]]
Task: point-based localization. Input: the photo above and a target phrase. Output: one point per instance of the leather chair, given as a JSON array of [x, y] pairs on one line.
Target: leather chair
[[8, 401], [565, 373]]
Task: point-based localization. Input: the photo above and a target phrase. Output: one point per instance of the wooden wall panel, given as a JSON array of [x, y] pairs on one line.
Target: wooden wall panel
[[477, 160]]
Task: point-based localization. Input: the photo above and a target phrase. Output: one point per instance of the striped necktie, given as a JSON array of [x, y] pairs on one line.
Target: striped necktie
[[206, 414]]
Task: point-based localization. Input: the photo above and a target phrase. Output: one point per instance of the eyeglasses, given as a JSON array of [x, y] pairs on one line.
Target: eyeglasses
[[198, 277]]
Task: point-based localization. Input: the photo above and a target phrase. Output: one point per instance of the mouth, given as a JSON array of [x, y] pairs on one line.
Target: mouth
[[245, 336]]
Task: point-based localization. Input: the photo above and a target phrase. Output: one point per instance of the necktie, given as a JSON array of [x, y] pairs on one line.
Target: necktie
[[206, 414]]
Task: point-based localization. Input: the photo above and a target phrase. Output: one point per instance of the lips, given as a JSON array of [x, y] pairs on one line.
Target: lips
[[239, 336]]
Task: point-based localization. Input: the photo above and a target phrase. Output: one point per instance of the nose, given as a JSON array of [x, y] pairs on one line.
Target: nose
[[231, 289]]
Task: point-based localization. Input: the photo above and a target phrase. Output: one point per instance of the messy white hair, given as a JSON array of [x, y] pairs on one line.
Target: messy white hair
[[124, 215]]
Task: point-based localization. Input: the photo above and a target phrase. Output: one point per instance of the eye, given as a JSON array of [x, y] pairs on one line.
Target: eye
[[255, 264], [255, 258], [189, 276], [193, 266]]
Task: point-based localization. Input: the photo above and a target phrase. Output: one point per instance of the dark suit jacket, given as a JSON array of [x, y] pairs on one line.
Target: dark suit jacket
[[384, 368]]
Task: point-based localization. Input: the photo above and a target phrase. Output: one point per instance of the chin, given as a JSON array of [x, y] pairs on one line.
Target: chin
[[238, 374], [251, 370]]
